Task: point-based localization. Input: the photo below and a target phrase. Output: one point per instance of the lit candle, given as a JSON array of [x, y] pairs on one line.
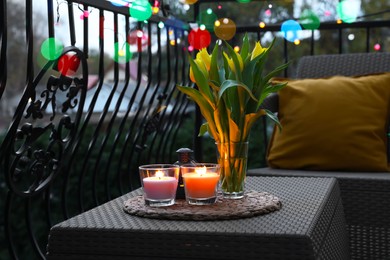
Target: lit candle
[[160, 187], [200, 184], [159, 183]]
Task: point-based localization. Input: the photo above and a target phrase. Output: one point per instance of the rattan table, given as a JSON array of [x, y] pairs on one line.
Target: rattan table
[[310, 225]]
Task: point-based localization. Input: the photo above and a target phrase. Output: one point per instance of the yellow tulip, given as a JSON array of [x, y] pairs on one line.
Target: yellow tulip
[[192, 78], [201, 66], [204, 57], [257, 50], [231, 63]]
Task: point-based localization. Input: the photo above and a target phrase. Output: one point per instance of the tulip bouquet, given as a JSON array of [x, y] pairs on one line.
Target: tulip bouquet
[[229, 93]]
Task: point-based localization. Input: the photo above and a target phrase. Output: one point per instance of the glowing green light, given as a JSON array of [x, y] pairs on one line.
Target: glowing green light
[[348, 11], [141, 10], [309, 20], [122, 53], [207, 18], [52, 48]]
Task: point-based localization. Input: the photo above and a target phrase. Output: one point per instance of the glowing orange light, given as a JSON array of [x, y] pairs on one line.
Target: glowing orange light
[[297, 42], [155, 10], [262, 24], [173, 42], [236, 48], [339, 21]]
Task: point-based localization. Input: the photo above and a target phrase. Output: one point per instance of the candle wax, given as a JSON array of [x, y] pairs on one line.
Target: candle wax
[[160, 188], [201, 185]]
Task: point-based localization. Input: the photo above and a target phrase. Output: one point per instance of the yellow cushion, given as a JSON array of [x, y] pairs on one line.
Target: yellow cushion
[[338, 123]]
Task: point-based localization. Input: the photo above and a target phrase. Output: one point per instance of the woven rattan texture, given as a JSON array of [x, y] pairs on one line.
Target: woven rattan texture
[[308, 224], [365, 197], [253, 204], [345, 64]]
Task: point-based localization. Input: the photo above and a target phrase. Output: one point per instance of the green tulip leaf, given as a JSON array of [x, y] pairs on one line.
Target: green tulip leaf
[[228, 84]]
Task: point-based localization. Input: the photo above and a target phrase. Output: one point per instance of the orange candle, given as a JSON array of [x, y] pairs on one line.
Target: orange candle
[[200, 184]]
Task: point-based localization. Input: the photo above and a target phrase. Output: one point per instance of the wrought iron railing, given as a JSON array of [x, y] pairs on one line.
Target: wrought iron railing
[[74, 141]]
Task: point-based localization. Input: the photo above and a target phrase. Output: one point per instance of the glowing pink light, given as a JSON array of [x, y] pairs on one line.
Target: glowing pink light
[[268, 12], [190, 48], [377, 47], [327, 13]]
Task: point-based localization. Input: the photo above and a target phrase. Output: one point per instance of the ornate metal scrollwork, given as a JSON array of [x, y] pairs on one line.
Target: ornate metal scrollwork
[[36, 142]]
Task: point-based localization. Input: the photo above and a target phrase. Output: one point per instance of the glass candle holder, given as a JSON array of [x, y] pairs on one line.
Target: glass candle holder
[[159, 183], [201, 182]]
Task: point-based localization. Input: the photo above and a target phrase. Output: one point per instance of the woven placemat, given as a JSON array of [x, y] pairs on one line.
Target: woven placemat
[[254, 203]]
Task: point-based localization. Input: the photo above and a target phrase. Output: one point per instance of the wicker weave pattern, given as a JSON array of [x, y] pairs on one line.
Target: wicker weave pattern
[[365, 198], [310, 225], [344, 64]]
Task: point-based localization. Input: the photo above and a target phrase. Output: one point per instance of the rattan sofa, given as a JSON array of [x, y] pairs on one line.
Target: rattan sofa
[[365, 195]]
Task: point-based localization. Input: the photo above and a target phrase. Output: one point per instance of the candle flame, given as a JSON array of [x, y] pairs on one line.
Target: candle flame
[[201, 170], [159, 174]]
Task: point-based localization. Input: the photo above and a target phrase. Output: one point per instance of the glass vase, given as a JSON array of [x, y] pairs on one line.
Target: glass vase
[[233, 159]]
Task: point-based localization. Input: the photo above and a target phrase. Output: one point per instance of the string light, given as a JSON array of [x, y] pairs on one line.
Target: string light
[[262, 25], [156, 7], [377, 47]]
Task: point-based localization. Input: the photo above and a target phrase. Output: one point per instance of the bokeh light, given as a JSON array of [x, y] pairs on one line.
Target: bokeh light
[[51, 48], [225, 28], [122, 53], [309, 20], [262, 25], [189, 2], [137, 40], [155, 9], [68, 64], [348, 10], [120, 2], [141, 10], [207, 18], [199, 39], [244, 1], [290, 30], [377, 47]]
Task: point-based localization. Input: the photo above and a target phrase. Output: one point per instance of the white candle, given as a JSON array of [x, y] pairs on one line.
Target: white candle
[[159, 187]]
